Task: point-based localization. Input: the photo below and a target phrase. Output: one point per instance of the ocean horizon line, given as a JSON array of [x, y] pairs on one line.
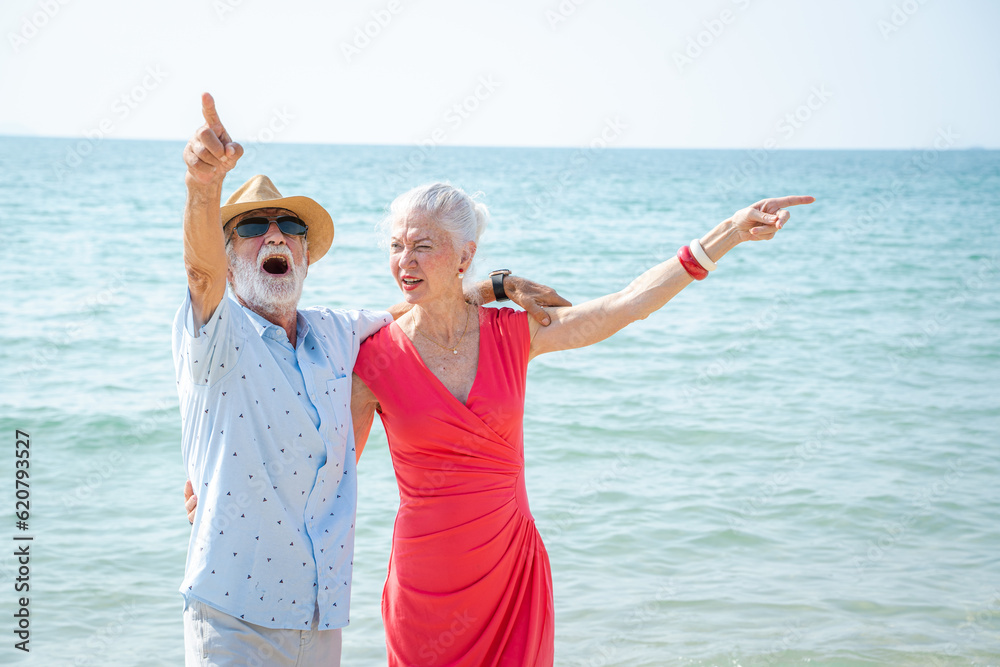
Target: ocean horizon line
[[797, 149]]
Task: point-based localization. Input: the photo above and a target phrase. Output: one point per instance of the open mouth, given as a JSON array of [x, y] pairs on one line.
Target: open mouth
[[276, 265]]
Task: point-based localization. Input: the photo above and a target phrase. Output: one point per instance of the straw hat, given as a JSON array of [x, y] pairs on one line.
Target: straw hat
[[259, 192]]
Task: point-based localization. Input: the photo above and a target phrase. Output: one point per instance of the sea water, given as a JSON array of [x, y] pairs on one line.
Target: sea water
[[796, 461]]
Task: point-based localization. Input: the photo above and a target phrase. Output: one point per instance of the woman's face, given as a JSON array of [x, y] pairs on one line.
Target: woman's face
[[423, 260]]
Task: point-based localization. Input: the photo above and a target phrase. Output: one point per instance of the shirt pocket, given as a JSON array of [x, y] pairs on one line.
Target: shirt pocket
[[339, 395]]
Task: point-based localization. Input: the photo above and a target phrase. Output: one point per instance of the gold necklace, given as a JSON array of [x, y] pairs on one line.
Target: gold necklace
[[453, 350]]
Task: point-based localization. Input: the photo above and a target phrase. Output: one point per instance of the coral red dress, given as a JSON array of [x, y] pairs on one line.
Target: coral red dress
[[469, 581]]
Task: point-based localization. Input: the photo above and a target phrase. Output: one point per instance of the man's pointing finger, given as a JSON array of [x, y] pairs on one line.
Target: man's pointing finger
[[210, 114]]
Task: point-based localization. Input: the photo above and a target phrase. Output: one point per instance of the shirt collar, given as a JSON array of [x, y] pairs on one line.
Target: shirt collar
[[268, 329]]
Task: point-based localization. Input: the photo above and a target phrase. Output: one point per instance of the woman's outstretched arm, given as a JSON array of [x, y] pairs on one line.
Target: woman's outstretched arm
[[593, 321]]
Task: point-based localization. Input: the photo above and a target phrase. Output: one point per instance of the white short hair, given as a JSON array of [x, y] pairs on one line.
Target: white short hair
[[458, 213]]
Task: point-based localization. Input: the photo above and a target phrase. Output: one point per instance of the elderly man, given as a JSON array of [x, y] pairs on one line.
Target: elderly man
[[268, 438]]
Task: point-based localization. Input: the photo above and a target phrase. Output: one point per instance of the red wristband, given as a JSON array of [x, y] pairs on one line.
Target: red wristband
[[690, 264]]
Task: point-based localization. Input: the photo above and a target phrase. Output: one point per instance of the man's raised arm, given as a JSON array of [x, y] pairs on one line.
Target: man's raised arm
[[209, 156]]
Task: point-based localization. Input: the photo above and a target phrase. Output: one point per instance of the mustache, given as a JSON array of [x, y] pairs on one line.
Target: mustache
[[274, 251], [277, 260]]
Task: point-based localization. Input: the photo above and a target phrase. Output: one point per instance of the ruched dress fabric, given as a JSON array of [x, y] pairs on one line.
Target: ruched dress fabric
[[469, 581]]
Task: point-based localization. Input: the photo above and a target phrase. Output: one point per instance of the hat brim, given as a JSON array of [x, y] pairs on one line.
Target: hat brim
[[320, 234]]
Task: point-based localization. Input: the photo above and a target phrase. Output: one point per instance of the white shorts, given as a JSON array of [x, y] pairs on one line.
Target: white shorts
[[214, 638]]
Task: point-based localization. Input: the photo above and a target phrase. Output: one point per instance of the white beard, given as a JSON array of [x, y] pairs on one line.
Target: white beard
[[269, 295]]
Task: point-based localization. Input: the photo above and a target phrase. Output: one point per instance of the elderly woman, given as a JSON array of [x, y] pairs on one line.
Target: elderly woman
[[469, 580]]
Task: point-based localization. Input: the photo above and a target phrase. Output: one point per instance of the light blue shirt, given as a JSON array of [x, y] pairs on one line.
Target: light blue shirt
[[268, 444]]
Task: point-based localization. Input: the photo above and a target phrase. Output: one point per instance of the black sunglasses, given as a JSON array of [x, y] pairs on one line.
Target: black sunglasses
[[288, 224]]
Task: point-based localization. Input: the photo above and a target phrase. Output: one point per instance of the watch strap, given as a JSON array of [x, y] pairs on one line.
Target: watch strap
[[498, 291]]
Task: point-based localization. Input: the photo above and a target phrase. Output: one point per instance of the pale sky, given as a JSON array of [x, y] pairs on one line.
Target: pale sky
[[719, 74]]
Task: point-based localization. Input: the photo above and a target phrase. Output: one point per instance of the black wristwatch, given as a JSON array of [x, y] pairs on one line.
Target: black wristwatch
[[497, 278]]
